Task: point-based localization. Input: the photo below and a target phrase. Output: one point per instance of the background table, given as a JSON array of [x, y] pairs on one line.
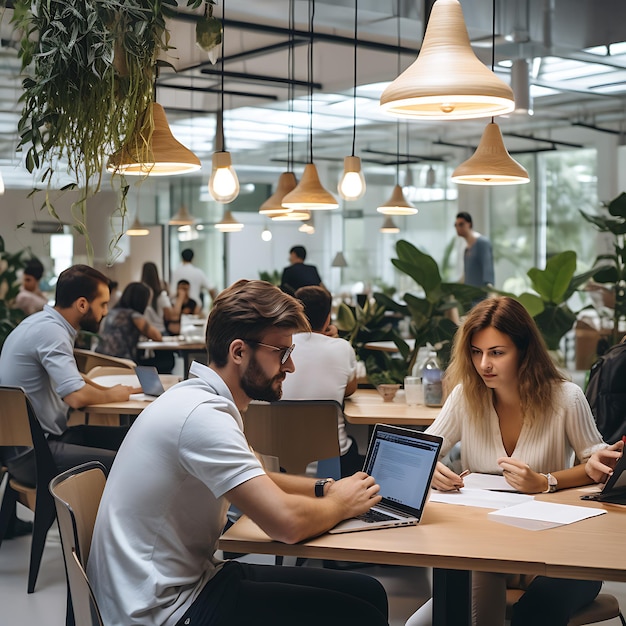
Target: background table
[[457, 539], [366, 406]]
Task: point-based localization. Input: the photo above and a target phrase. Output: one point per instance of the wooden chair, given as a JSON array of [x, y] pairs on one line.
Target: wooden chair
[[603, 608], [86, 360], [298, 432], [19, 426], [109, 370], [77, 493]]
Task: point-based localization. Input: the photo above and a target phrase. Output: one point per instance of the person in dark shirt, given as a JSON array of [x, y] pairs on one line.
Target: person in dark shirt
[[298, 274]]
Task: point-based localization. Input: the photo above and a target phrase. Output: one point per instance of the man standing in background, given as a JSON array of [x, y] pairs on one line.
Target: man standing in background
[[194, 275], [30, 298], [298, 274], [478, 256]]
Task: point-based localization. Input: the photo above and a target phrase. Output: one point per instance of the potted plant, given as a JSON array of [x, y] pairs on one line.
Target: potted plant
[[90, 75], [610, 269]]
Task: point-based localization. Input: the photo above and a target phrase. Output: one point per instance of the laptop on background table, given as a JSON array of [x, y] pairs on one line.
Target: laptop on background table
[[149, 380], [403, 462]]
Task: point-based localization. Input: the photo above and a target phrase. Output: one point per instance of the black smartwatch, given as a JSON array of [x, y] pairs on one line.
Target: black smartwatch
[[319, 486]]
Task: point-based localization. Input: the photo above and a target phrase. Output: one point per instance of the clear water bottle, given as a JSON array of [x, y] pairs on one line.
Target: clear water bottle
[[431, 381]]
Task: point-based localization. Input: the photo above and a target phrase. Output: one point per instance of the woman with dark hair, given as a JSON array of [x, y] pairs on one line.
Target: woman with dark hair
[[125, 323], [159, 310], [515, 415]]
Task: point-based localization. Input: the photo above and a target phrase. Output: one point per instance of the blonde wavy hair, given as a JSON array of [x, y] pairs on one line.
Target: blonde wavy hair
[[536, 371]]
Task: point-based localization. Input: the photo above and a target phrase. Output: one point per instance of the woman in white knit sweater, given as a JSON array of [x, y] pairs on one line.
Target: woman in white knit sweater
[[515, 415]]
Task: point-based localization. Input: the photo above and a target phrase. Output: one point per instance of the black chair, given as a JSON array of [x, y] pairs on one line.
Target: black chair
[[19, 426]]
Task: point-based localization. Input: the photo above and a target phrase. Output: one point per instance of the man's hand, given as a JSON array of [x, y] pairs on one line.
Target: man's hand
[[600, 464], [121, 393], [357, 493]]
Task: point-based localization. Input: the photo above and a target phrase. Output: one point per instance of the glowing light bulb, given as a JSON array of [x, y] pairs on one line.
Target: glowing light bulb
[[223, 184], [352, 183]]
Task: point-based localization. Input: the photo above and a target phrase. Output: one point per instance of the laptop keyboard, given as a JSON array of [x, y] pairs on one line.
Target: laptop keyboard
[[372, 516]]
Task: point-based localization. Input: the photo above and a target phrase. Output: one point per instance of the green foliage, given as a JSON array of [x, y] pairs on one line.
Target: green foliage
[[272, 277], [554, 285], [90, 68], [612, 270], [9, 288], [430, 314], [370, 323]]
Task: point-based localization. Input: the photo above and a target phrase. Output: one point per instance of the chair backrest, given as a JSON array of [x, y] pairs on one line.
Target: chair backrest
[[77, 495], [298, 432], [14, 425], [86, 360], [108, 370]]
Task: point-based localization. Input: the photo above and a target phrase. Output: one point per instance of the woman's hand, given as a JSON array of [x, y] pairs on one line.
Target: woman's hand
[[600, 464], [521, 477], [444, 479]]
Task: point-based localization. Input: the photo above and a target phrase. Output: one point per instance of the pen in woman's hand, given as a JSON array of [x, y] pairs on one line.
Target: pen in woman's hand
[[461, 475]]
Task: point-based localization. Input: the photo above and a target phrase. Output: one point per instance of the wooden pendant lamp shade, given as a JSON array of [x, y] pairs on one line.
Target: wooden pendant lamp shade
[[163, 156], [389, 226], [309, 195], [137, 229], [397, 204], [182, 217], [447, 81], [292, 216], [228, 223], [491, 164], [274, 204]]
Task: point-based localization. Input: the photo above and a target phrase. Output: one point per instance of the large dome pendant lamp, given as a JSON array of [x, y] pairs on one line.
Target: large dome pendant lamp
[[352, 184], [447, 81], [223, 183], [309, 194], [491, 164]]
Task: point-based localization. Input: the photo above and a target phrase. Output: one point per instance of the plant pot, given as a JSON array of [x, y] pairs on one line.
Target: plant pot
[[388, 391]]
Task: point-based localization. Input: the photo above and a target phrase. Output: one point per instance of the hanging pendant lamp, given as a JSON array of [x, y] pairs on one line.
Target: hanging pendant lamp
[[137, 230], [162, 156], [397, 204], [274, 204], [389, 226], [447, 81], [292, 216], [228, 224], [309, 194], [182, 217], [491, 164]]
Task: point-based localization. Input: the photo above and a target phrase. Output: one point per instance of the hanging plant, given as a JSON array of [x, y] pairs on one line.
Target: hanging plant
[[208, 30], [90, 74]]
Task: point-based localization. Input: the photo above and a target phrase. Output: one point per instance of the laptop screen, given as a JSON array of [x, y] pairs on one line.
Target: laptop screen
[[149, 380], [402, 461]]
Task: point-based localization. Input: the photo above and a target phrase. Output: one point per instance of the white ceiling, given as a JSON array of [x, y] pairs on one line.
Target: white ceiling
[[577, 78]]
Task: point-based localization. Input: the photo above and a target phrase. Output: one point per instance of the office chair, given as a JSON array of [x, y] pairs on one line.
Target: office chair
[[86, 360], [77, 493], [19, 426]]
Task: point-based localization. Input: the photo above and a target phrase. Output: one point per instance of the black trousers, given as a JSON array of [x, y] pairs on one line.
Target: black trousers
[[552, 601], [242, 594]]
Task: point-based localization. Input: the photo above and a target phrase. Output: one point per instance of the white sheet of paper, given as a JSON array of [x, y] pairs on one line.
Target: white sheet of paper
[[493, 482], [141, 396], [539, 515], [117, 379], [479, 497]]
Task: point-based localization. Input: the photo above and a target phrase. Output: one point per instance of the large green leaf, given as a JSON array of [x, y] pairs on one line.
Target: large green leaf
[[345, 318], [553, 323], [421, 267], [552, 283], [532, 303], [617, 206]]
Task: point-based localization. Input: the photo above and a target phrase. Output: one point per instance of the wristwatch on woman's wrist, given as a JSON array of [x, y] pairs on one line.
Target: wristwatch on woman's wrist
[[319, 486], [553, 483]]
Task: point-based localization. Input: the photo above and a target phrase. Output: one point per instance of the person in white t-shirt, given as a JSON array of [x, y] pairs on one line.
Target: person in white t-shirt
[[325, 368], [194, 275]]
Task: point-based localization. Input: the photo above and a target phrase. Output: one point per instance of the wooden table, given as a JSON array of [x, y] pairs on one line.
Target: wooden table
[[455, 540], [187, 349], [366, 406]]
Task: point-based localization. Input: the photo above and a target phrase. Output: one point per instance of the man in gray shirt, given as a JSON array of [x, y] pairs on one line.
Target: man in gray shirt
[[38, 356], [478, 257]]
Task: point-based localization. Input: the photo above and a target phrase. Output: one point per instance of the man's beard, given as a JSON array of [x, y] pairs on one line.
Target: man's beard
[[258, 386], [89, 323]]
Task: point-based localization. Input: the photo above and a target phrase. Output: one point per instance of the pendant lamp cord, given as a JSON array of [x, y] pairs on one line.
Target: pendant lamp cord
[[493, 40], [356, 12], [310, 72], [291, 88], [398, 74], [223, 143]]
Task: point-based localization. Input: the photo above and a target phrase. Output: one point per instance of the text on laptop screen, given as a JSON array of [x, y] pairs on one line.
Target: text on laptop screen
[[402, 466]]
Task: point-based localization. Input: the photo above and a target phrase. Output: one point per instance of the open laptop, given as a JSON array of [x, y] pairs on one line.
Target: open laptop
[[614, 489], [149, 380], [403, 462]]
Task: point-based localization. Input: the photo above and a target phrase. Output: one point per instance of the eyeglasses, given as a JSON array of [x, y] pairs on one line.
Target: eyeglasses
[[286, 352]]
